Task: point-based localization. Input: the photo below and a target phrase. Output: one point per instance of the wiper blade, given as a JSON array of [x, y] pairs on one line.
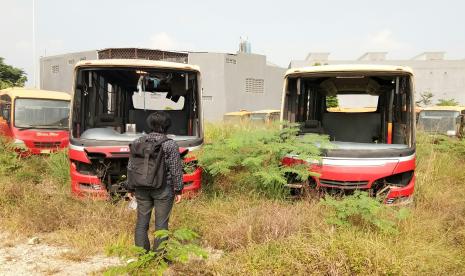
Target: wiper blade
[[41, 127], [26, 128]]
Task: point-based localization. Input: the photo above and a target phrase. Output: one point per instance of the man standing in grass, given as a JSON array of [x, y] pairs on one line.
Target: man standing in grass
[[154, 178]]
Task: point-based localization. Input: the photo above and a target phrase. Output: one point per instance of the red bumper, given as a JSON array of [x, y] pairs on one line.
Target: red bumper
[[90, 186], [362, 174]]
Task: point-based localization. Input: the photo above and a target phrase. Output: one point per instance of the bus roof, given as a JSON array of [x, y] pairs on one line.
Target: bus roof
[[137, 63], [238, 113], [20, 92], [347, 68], [267, 111], [352, 109], [445, 108]]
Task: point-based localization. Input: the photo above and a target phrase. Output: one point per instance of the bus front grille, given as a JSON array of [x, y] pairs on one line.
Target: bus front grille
[[46, 145], [344, 184]]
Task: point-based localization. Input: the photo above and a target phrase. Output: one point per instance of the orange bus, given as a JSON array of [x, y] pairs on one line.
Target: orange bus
[[35, 121]]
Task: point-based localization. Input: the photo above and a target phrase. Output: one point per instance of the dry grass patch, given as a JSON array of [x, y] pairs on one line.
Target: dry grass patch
[[236, 222], [27, 209], [74, 256]]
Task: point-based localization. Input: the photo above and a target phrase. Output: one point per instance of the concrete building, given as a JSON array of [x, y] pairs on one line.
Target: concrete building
[[433, 73], [56, 72], [230, 82]]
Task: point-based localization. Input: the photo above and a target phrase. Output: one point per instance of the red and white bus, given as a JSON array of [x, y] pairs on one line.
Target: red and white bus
[[35, 121], [112, 99], [372, 128]]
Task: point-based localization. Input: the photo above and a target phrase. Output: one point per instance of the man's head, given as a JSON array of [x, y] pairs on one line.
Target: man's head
[[159, 121]]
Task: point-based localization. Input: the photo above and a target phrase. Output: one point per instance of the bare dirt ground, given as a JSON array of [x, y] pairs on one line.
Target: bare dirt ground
[[32, 257]]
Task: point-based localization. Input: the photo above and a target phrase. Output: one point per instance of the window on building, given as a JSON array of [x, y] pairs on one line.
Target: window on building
[[231, 61], [55, 69], [254, 85]]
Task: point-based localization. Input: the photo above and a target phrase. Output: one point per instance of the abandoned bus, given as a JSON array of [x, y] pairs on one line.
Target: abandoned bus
[[447, 120], [267, 116], [36, 121], [242, 116], [112, 99], [373, 131]]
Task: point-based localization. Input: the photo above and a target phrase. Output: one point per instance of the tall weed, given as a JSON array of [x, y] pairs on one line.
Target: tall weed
[[363, 211], [9, 159], [58, 167]]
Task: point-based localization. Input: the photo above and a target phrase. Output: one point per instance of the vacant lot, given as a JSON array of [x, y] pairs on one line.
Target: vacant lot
[[258, 235]]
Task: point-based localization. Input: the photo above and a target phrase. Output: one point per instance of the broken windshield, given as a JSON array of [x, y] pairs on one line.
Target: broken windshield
[[367, 108], [156, 101], [114, 103]]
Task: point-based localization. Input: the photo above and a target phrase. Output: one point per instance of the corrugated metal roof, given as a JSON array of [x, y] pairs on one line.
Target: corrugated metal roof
[[451, 108]]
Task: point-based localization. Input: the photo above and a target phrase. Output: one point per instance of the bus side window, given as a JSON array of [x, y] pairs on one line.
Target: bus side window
[[5, 104]]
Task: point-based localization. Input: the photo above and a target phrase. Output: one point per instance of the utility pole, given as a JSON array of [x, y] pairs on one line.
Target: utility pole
[[34, 42]]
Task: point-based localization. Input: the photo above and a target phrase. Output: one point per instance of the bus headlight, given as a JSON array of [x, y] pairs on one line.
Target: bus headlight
[[19, 144]]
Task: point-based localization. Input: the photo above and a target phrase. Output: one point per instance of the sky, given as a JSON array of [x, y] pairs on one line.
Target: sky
[[281, 30]]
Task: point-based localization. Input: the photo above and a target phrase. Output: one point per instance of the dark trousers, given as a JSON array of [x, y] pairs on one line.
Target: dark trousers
[[162, 201]]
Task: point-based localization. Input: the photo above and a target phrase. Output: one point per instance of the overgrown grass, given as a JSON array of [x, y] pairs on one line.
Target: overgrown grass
[[260, 236]]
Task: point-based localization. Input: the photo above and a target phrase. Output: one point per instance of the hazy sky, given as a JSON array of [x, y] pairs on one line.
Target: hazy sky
[[283, 30]]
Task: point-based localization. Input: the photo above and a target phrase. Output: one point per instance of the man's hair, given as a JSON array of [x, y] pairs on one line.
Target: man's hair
[[159, 121]]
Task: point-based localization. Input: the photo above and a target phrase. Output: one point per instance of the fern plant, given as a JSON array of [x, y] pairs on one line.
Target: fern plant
[[257, 152], [361, 210], [178, 247]]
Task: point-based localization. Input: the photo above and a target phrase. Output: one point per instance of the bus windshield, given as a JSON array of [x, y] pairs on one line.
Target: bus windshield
[[438, 120], [41, 113], [112, 104], [258, 117]]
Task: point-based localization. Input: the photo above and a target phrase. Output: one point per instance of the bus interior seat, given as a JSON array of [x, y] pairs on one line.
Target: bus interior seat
[[106, 119], [179, 120], [312, 126], [352, 127]]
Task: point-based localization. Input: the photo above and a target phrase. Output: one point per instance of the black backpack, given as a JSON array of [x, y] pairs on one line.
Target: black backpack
[[147, 164]]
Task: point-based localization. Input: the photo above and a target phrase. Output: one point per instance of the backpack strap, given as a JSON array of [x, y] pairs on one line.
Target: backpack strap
[[162, 140], [146, 160]]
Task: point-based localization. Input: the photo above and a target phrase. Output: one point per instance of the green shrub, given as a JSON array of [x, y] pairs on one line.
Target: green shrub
[[58, 166], [256, 155], [361, 210], [9, 159], [177, 248], [33, 169]]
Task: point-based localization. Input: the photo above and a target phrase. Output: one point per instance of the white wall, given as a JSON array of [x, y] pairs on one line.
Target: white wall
[[62, 79]]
